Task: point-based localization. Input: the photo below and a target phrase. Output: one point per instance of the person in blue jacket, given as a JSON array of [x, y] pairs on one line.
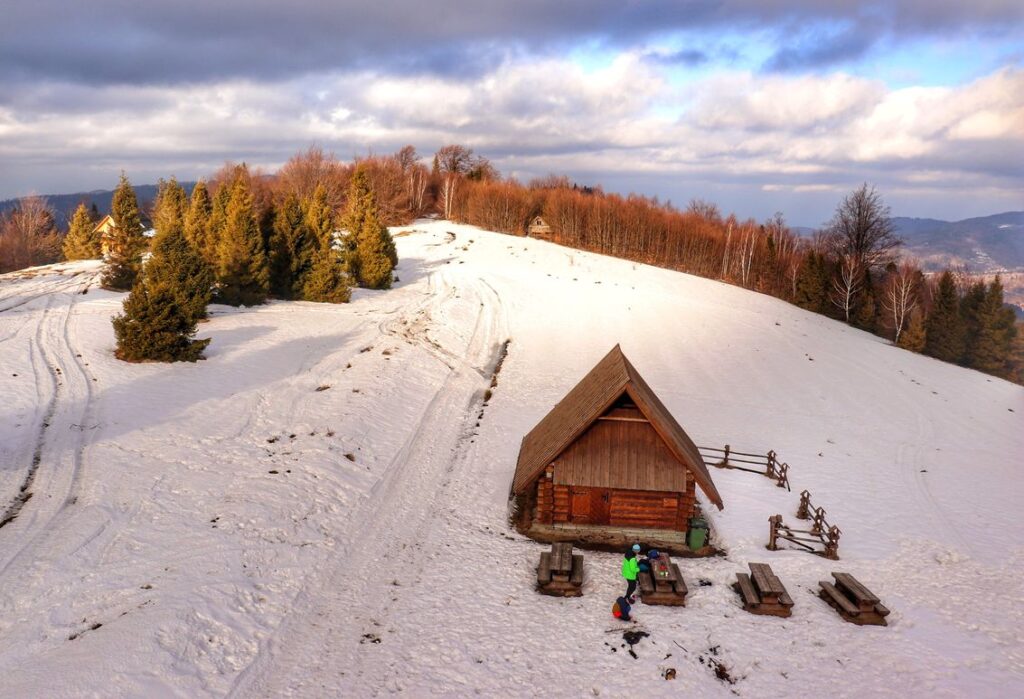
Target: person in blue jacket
[[620, 610]]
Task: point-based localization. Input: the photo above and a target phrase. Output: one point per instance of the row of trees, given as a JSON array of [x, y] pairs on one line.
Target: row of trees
[[221, 244], [266, 235], [849, 270]]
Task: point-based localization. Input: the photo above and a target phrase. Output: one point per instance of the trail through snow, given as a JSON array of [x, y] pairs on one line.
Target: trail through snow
[[320, 507]]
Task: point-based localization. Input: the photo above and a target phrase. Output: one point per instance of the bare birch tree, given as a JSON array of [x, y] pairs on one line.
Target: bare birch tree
[[847, 284], [901, 296]]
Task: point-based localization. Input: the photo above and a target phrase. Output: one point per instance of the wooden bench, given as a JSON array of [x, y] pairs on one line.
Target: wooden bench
[[560, 572], [762, 592], [665, 585], [854, 602]]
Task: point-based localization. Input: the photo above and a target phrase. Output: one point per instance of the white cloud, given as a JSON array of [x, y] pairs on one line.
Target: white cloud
[[814, 133]]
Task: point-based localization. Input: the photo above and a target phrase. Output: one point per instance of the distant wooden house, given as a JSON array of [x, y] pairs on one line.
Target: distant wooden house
[[610, 465], [538, 228], [104, 227]]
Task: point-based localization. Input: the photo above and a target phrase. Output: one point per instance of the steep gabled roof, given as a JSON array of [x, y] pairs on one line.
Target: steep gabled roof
[[586, 402]]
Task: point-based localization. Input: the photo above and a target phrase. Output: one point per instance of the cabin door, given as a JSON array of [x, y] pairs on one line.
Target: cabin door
[[590, 505]]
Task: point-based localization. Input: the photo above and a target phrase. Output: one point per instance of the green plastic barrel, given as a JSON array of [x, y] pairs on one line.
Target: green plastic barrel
[[697, 535]]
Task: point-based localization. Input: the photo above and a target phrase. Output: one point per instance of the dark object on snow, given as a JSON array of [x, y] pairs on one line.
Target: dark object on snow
[[560, 572], [762, 592], [854, 602]]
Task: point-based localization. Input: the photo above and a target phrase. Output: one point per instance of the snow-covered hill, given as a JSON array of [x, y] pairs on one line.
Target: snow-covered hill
[[319, 508]]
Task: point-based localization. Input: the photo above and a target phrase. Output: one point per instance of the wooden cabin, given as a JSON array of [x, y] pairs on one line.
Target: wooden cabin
[[538, 228], [103, 227], [106, 225], [608, 465]]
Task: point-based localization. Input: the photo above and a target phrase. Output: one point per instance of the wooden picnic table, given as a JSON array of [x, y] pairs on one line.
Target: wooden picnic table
[[762, 592], [560, 572], [561, 560], [864, 598], [662, 583], [853, 600]]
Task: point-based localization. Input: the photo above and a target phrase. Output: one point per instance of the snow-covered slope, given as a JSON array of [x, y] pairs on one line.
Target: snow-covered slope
[[319, 508]]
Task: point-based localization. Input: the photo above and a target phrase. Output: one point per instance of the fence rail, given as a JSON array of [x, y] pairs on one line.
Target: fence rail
[[807, 539], [769, 463]]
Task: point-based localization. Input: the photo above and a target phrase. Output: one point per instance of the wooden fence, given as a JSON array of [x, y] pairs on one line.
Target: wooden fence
[[768, 464], [821, 535]]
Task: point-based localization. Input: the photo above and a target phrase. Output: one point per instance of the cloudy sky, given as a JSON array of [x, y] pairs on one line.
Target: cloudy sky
[[758, 105]]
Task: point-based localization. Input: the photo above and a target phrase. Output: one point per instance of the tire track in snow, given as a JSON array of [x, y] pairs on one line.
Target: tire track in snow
[[53, 476], [393, 520]]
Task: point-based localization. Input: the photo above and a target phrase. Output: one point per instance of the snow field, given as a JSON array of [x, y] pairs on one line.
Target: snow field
[[158, 517]]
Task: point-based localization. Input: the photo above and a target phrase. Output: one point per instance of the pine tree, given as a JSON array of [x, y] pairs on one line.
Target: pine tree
[[992, 345], [171, 206], [372, 255], [812, 284], [970, 308], [197, 221], [155, 327], [243, 276], [866, 317], [177, 265], [914, 336], [82, 241], [125, 242], [945, 327], [327, 280], [218, 221], [286, 244]]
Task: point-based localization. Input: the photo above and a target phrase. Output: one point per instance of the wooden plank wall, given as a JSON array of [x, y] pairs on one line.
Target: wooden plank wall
[[621, 455]]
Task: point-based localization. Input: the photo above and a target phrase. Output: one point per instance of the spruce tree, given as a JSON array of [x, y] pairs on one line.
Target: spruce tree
[[992, 345], [218, 221], [197, 221], [82, 241], [125, 242], [914, 335], [372, 254], [171, 206], [327, 280], [155, 327], [945, 327], [176, 264], [812, 284], [286, 242], [866, 316], [970, 308], [243, 276]]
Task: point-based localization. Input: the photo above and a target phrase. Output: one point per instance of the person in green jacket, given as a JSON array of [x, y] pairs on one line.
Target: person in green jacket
[[630, 569]]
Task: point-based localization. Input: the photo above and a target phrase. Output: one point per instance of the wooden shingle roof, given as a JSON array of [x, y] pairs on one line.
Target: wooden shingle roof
[[586, 402]]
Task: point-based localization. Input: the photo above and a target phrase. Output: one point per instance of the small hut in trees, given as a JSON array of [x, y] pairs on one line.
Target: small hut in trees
[[103, 227], [610, 465], [106, 224], [538, 228]]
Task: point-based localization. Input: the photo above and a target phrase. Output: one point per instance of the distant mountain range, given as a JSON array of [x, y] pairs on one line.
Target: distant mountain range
[[983, 245], [64, 205]]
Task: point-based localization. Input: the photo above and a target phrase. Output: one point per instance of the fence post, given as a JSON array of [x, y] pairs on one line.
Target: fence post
[[818, 524], [832, 545], [770, 464], [773, 527], [783, 480], [805, 503], [725, 459]]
